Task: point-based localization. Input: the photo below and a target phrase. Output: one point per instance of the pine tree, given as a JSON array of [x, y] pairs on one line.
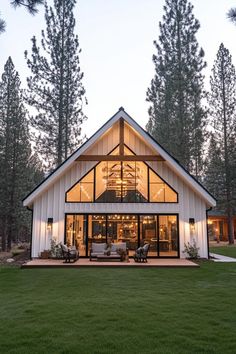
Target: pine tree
[[15, 155], [214, 175], [176, 114], [55, 87], [30, 5], [232, 15], [222, 100]]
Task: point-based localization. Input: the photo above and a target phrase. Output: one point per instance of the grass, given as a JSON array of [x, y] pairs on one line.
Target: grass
[[228, 250], [112, 311]]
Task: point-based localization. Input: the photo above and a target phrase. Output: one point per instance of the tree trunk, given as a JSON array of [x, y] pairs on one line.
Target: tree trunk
[[4, 233], [230, 226], [9, 234]]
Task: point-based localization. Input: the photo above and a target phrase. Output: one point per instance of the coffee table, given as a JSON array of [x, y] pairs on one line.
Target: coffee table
[[104, 257]]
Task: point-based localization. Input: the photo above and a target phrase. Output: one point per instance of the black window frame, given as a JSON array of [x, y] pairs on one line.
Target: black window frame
[[121, 201]]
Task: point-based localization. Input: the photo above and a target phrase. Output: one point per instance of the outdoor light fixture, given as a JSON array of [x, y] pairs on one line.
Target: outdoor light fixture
[[191, 222], [192, 226], [49, 223]]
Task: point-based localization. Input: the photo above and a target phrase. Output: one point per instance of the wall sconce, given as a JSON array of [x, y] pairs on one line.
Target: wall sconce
[[192, 225], [49, 223], [191, 221]]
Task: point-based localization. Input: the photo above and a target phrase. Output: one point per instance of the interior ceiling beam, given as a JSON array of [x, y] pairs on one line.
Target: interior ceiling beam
[[120, 158], [122, 136]]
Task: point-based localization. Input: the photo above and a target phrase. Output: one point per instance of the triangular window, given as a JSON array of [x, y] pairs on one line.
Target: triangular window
[[122, 182]]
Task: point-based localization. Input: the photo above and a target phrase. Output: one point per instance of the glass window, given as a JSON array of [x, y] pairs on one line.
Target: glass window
[[101, 182], [129, 182], [159, 191], [141, 182], [121, 181], [170, 195], [83, 190]]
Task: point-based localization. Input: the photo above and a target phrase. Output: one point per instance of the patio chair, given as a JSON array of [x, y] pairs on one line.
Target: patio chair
[[69, 253], [141, 253]]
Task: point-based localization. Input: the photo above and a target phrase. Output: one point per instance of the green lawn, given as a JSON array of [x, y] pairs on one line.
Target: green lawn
[[112, 311], [229, 251]]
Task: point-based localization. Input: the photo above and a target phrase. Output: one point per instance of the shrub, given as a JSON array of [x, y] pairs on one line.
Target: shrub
[[191, 249], [55, 249]]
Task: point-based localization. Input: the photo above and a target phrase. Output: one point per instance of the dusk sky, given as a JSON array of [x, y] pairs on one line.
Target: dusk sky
[[116, 38]]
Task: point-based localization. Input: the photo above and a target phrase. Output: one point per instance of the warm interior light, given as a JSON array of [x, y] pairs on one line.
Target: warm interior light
[[49, 223]]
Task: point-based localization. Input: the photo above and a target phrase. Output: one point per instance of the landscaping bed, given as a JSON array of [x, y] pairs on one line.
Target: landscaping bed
[[17, 258]]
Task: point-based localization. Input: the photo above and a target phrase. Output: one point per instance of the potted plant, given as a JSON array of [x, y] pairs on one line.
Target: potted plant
[[45, 254], [122, 254]]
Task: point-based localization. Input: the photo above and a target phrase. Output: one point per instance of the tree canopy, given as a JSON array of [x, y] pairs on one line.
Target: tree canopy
[[30, 5], [176, 113]]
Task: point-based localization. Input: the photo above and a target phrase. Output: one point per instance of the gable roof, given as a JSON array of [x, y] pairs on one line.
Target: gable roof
[[169, 160]]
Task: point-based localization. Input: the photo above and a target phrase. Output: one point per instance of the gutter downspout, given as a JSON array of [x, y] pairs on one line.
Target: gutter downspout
[[31, 231], [208, 247]]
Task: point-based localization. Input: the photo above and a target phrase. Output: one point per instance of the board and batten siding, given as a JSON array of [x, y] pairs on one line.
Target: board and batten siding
[[51, 203]]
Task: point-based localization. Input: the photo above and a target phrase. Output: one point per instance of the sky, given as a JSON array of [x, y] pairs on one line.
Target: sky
[[116, 38]]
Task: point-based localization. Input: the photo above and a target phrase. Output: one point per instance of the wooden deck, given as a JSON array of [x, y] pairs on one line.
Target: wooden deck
[[85, 262]]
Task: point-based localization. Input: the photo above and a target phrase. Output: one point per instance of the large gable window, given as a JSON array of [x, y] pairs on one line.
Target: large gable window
[[121, 182]]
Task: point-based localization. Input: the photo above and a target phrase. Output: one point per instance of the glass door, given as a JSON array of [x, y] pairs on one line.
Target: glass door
[[123, 228], [76, 232], [168, 236], [148, 233]]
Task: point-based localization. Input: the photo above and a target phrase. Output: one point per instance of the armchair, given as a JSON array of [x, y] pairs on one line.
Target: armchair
[[141, 253], [69, 253]]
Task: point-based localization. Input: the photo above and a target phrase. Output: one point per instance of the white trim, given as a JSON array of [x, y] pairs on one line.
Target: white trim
[[122, 114]]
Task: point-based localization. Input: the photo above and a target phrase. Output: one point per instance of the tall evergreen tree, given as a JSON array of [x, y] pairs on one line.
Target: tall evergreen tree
[[176, 114], [15, 156], [222, 100], [30, 5], [214, 175], [55, 87]]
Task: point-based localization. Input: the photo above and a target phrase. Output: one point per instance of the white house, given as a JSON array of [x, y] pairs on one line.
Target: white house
[[120, 185]]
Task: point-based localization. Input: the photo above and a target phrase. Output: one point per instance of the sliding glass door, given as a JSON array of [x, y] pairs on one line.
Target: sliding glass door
[[76, 232], [160, 231], [148, 232], [123, 228], [168, 236]]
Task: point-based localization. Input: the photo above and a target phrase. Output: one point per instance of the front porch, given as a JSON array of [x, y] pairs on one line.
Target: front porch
[[85, 262]]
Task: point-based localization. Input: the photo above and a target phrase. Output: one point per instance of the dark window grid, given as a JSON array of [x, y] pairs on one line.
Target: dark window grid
[[121, 162]]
